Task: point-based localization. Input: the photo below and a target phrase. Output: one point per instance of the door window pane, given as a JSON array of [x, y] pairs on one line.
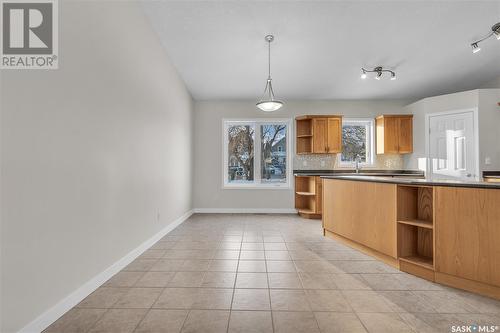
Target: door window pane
[[240, 153]]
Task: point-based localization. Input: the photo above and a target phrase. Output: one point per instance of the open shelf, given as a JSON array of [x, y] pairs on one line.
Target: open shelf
[[304, 145], [304, 127], [308, 196], [415, 244], [307, 211], [415, 203], [305, 193], [420, 261], [304, 136], [418, 223], [415, 226]]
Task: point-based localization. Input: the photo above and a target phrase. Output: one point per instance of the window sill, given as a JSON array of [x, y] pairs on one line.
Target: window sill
[[353, 165], [256, 187]]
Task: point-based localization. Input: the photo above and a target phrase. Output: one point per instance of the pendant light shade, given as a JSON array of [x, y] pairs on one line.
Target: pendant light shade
[[267, 102]]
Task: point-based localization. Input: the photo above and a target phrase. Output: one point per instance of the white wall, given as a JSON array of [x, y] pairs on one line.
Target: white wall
[[208, 192], [91, 153], [493, 84], [485, 100], [489, 128]]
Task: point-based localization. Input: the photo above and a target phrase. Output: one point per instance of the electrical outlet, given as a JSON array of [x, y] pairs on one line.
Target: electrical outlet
[[487, 160], [304, 163], [323, 163]]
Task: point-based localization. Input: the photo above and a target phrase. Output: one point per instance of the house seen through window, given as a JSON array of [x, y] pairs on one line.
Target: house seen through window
[[256, 153], [357, 141]]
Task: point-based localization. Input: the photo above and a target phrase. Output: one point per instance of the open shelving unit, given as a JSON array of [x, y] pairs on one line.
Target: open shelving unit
[[307, 200], [304, 135], [415, 227]]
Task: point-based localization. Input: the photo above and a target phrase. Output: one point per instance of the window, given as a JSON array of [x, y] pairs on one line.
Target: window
[[256, 153], [357, 140]]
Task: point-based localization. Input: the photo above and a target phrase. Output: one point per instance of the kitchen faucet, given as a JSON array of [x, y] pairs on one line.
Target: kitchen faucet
[[358, 162]]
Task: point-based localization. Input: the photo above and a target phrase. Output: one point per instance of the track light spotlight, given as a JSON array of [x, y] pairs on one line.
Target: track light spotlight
[[363, 74], [495, 31], [475, 48], [379, 71]]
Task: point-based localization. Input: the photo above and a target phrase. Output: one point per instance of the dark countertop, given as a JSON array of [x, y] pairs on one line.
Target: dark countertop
[[363, 172], [414, 181]]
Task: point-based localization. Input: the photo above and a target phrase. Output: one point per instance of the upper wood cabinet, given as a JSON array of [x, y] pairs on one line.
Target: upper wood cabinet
[[319, 134], [394, 134], [334, 138]]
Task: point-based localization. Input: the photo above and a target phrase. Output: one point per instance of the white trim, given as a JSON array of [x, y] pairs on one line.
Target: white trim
[[475, 117], [256, 184], [245, 210], [51, 315]]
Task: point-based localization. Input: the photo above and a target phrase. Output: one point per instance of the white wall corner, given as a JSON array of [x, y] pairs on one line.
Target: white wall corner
[[54, 313]]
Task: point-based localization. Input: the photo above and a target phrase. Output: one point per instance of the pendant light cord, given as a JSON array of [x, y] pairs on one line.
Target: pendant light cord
[[270, 88], [269, 59]]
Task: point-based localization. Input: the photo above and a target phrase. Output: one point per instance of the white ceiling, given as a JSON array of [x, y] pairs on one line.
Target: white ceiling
[[219, 50]]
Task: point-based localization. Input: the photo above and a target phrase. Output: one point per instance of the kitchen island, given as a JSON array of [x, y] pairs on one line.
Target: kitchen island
[[309, 186], [443, 231]]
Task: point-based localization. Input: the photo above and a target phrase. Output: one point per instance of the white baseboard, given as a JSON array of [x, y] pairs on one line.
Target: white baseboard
[[54, 313], [246, 210]]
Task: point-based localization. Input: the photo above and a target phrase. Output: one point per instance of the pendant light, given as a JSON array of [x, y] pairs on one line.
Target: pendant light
[[267, 102]]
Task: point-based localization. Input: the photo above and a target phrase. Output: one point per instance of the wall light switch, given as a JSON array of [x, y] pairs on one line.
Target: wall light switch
[[487, 160]]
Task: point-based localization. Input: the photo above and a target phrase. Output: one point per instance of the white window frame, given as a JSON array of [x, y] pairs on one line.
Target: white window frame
[[256, 184], [370, 145]]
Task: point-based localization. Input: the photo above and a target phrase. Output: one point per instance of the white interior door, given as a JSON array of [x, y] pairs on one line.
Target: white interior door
[[451, 146]]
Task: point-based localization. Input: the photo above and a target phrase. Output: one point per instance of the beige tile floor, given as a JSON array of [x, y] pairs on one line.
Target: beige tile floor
[[267, 273]]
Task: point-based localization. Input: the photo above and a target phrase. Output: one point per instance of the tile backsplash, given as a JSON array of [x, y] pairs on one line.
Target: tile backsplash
[[331, 161]]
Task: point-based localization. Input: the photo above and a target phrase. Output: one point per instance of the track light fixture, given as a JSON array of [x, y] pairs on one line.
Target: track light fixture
[[495, 31], [379, 71]]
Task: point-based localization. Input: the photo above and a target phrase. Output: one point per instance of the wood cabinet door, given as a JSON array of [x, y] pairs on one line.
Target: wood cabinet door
[[336, 218], [379, 134], [320, 134], [467, 232], [391, 135], [334, 144], [364, 212], [405, 135]]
